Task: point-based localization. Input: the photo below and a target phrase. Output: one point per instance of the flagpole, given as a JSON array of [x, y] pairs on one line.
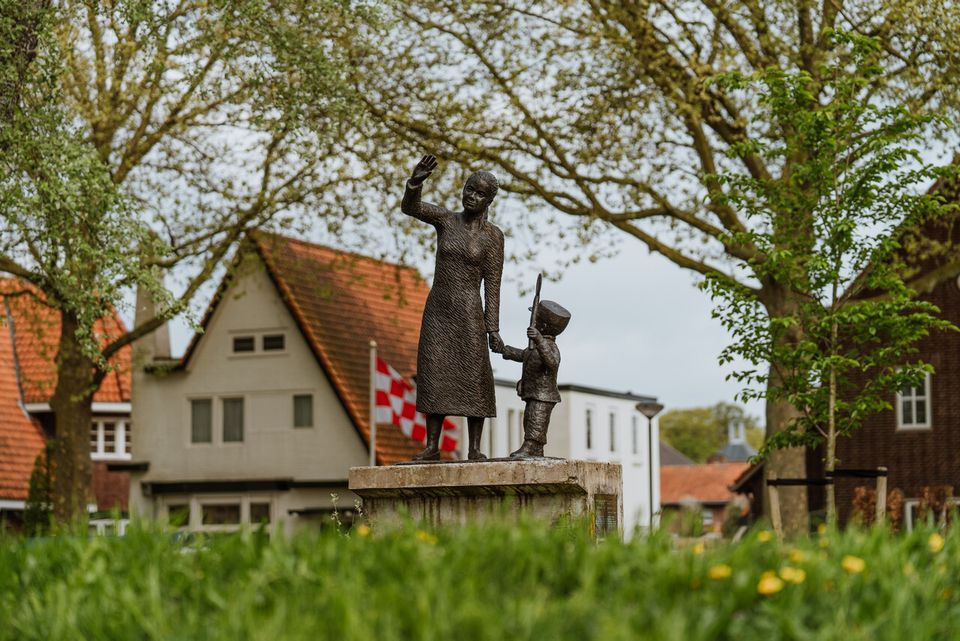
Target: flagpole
[[373, 403]]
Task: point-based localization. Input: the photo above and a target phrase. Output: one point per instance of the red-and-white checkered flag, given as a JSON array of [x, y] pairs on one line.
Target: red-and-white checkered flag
[[396, 401]]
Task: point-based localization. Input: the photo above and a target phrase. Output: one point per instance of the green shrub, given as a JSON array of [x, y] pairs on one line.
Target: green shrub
[[494, 582]]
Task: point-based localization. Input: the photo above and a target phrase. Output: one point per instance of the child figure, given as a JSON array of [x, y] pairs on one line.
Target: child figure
[[538, 383]]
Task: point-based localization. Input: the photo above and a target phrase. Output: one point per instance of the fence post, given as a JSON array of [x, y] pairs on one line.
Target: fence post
[[775, 505], [881, 493]]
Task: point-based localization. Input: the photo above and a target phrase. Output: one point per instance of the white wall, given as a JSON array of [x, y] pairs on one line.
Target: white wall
[[567, 439], [271, 447]]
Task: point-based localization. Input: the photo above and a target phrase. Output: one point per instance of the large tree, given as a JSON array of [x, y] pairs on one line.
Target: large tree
[[607, 112], [140, 136]]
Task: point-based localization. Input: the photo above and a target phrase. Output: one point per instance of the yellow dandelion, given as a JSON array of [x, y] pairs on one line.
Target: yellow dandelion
[[363, 529], [720, 572], [793, 575], [935, 542], [764, 535], [822, 529], [698, 548], [426, 537], [853, 564], [797, 556], [769, 583]]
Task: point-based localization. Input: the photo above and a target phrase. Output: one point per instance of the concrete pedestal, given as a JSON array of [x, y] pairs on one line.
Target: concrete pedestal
[[454, 493]]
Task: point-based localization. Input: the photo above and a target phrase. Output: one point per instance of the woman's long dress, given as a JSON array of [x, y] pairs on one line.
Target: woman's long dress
[[454, 377]]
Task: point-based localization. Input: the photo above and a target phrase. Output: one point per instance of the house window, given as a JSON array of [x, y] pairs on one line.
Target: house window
[[232, 420], [243, 344], [589, 429], [259, 513], [635, 431], [220, 514], [913, 406], [110, 439], [273, 342], [613, 432], [303, 410], [708, 518], [201, 420]]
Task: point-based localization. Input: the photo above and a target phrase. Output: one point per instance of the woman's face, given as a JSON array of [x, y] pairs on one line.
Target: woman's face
[[477, 196]]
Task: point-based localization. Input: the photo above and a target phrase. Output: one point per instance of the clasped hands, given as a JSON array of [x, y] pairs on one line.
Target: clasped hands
[[496, 343]]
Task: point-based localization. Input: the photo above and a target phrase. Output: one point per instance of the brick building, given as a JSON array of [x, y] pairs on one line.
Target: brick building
[[918, 441], [28, 347]]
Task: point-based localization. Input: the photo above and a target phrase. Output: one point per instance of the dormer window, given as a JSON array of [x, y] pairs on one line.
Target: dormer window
[[273, 342], [243, 344]]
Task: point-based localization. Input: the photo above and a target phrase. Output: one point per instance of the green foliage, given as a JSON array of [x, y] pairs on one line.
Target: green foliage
[[494, 582], [699, 432], [829, 228]]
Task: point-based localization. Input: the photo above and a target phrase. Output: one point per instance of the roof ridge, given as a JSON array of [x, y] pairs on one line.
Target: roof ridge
[[260, 236]]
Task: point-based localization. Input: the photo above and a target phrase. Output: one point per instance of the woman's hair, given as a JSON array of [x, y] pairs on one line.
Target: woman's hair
[[488, 178]]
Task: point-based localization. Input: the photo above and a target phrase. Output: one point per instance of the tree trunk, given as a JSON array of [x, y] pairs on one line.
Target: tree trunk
[[71, 404], [787, 463]]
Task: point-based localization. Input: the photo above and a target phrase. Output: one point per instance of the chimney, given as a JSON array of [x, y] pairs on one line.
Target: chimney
[[155, 345]]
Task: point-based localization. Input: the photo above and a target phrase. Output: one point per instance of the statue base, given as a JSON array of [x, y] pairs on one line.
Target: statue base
[[456, 493]]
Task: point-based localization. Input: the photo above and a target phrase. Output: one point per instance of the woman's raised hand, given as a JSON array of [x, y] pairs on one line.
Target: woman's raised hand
[[423, 170]]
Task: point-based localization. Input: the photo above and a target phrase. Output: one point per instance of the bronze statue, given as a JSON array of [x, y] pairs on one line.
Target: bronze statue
[[538, 383], [454, 377]]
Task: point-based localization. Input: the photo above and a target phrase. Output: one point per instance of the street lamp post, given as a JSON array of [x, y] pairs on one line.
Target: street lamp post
[[650, 409]]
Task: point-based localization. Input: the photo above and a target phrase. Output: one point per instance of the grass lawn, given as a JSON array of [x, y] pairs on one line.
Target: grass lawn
[[495, 582]]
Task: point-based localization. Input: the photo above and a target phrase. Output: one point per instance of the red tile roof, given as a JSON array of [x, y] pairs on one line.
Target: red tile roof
[[341, 301], [37, 331], [21, 439], [709, 483]]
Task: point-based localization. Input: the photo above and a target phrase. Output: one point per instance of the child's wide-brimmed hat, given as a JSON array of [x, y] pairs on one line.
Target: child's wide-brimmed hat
[[552, 317]]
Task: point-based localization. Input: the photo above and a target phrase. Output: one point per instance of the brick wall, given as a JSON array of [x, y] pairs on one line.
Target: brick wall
[[915, 458], [111, 489]]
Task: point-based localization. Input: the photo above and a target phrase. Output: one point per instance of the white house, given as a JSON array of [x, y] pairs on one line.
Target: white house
[[267, 410], [594, 425]]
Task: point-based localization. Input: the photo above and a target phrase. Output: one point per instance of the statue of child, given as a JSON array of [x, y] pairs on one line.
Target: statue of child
[[538, 383]]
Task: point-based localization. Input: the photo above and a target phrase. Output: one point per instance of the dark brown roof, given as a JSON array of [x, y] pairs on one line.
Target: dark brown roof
[[670, 455]]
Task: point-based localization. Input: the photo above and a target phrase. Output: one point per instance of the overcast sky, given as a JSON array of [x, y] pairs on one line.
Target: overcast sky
[[638, 324]]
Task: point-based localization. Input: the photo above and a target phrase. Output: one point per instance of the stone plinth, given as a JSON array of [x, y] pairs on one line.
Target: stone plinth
[[455, 493]]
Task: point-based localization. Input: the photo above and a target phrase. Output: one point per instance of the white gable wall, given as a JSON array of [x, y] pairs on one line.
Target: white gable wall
[[271, 448]]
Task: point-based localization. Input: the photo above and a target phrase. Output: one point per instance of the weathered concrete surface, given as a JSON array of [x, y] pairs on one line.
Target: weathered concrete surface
[[459, 493]]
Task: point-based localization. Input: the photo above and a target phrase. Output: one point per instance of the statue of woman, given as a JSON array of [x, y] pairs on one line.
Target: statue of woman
[[454, 377]]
